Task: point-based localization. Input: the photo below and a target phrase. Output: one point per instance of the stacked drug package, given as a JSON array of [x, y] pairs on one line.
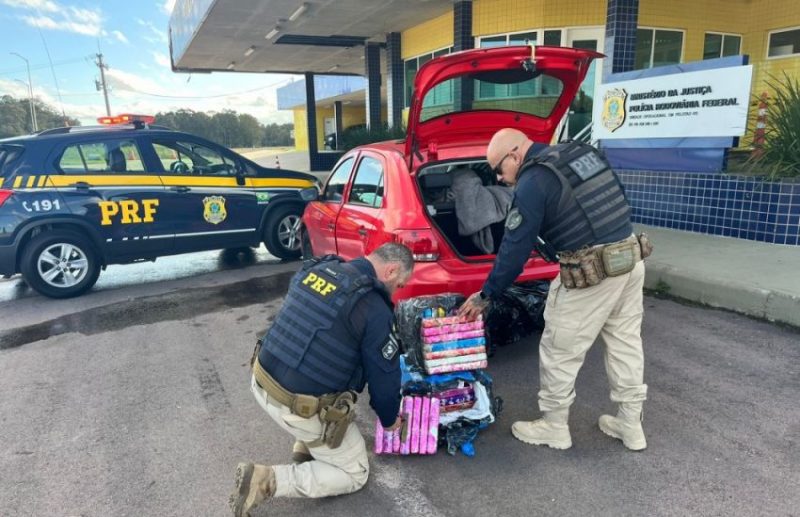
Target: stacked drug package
[[442, 367], [419, 433], [451, 343]]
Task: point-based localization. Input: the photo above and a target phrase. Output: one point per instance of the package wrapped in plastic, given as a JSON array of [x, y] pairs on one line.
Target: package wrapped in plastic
[[467, 402], [419, 433], [409, 315], [515, 313]]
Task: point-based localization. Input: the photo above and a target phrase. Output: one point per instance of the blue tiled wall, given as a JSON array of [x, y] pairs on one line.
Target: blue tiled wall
[[732, 206]]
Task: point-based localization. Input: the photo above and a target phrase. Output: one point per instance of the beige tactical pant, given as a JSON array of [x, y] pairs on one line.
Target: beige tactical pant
[[332, 471], [573, 320]]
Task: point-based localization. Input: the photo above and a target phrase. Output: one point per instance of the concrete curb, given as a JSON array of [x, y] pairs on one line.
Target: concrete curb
[[746, 299]]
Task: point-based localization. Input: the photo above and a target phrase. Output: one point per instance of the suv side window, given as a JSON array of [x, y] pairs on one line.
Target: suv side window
[[189, 158], [367, 186], [107, 156], [334, 190]]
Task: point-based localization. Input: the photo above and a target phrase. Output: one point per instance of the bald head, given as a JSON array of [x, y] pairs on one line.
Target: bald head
[[506, 151]]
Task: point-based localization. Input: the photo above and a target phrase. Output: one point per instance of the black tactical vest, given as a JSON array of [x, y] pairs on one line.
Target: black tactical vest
[[312, 332], [592, 206]]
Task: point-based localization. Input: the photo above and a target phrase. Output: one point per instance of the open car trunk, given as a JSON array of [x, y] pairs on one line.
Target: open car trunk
[[435, 183]]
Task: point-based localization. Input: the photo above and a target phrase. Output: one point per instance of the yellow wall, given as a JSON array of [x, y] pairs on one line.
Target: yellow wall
[[749, 18], [501, 16], [351, 116], [432, 35]]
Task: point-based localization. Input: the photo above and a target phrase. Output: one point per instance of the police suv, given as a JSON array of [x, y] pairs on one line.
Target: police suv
[[73, 200]]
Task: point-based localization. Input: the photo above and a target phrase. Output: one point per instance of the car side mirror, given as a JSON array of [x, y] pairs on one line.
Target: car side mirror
[[239, 175]]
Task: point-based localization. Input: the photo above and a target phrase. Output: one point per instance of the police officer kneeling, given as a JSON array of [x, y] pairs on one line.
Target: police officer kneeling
[[330, 338], [568, 194]]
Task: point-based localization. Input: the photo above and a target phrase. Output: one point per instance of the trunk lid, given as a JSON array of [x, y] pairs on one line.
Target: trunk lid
[[525, 87]]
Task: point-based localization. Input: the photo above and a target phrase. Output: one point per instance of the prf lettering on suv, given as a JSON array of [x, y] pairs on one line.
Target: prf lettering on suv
[[74, 200]]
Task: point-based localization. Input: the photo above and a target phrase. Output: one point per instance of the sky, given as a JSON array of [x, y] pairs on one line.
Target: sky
[[132, 36]]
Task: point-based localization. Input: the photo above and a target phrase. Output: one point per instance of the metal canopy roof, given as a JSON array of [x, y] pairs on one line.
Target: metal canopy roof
[[320, 36]]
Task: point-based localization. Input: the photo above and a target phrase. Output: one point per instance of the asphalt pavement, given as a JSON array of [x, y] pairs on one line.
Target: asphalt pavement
[[141, 407]]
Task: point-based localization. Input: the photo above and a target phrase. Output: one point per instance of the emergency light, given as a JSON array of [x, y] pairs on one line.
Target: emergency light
[[127, 119]]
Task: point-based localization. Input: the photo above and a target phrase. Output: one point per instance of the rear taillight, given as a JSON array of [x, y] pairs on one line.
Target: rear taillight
[[5, 194], [422, 243]]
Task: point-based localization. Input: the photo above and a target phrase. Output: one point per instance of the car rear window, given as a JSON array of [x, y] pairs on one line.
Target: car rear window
[[102, 157], [8, 155], [529, 92]]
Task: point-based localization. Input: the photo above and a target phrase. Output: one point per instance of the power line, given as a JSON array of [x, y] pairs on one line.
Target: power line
[[41, 67]]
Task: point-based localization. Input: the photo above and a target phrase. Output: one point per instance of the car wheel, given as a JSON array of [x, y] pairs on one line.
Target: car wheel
[[282, 232], [60, 264]]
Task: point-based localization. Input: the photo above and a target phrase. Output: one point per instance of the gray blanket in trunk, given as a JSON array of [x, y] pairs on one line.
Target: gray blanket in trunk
[[478, 207]]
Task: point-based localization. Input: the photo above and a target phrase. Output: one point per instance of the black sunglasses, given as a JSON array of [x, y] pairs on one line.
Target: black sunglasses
[[498, 168]]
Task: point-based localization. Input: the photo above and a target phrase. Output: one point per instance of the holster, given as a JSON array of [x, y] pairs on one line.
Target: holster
[[645, 244], [336, 418]]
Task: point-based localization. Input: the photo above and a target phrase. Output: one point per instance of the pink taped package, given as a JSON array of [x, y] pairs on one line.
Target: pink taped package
[[424, 423], [455, 336], [457, 367], [449, 329], [455, 353], [422, 418], [415, 429], [449, 320]]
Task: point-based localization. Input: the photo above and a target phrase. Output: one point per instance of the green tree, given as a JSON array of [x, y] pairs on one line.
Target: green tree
[[227, 127], [15, 117], [277, 135]]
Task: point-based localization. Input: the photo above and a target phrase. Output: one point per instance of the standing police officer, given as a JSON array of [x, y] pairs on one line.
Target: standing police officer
[[331, 336], [569, 195]]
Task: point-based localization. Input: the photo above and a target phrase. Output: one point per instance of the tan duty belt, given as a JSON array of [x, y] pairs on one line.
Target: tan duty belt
[[589, 266], [305, 406]]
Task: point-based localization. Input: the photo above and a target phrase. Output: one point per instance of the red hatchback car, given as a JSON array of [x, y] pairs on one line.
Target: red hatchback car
[[400, 191]]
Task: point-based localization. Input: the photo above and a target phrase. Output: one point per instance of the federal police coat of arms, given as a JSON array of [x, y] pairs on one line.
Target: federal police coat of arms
[[614, 109], [214, 209]]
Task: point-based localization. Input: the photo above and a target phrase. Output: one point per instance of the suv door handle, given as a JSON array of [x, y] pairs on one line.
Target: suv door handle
[[180, 189], [331, 226], [81, 185]]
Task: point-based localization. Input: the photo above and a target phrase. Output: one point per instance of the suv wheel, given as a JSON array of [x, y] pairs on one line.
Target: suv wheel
[[282, 232], [60, 264]]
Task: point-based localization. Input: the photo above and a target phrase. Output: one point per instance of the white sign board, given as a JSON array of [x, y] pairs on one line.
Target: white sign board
[[708, 103]]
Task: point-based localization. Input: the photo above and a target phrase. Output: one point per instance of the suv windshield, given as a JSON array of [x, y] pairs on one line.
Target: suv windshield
[[532, 93]]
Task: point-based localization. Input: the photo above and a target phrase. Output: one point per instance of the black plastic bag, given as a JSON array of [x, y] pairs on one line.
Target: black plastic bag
[[408, 318], [515, 313]]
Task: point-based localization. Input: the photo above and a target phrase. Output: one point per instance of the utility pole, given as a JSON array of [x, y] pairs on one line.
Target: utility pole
[[34, 123], [102, 82]]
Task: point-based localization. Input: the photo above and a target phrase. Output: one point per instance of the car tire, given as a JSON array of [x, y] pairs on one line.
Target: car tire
[[60, 264], [282, 232]]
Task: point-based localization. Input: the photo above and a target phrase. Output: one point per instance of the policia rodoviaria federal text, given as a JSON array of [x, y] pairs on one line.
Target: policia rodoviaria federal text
[[568, 194], [331, 337]]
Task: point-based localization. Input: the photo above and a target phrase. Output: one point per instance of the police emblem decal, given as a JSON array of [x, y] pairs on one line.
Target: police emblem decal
[[514, 219], [214, 209], [390, 348], [613, 115]]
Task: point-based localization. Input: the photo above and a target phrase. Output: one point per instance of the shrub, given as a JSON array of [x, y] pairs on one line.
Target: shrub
[[779, 155], [360, 135]]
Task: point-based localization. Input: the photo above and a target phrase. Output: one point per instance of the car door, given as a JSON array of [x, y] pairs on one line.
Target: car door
[[360, 217], [320, 216], [104, 181], [210, 204]]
